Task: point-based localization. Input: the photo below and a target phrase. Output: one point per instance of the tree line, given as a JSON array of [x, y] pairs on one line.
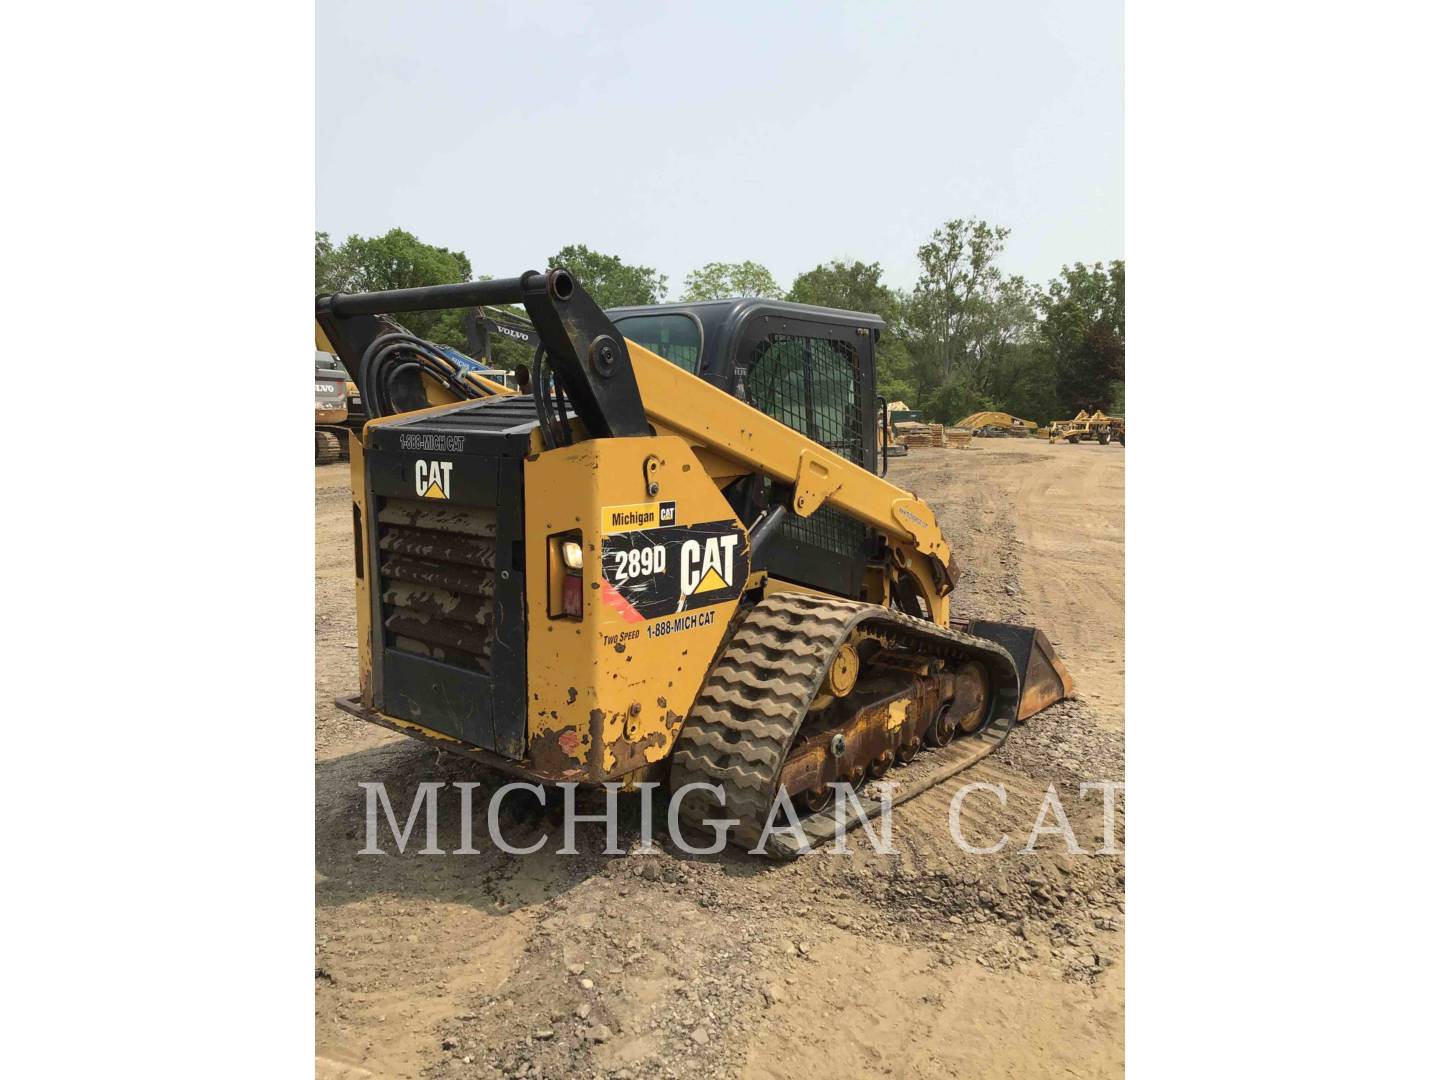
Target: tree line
[[966, 338]]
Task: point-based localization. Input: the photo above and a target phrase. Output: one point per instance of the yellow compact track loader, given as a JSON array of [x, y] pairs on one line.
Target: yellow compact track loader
[[674, 558]]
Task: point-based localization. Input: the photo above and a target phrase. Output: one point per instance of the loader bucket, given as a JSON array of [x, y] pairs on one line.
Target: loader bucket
[[1043, 678]]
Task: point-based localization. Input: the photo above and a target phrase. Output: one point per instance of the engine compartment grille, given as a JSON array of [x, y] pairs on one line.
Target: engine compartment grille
[[437, 580]]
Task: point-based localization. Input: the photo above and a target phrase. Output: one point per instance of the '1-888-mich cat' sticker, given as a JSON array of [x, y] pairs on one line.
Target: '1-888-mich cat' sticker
[[666, 571]]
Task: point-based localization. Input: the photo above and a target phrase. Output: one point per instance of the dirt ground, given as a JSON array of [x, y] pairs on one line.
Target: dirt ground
[[927, 962]]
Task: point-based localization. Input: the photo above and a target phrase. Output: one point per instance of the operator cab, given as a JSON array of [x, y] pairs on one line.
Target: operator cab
[[812, 369]]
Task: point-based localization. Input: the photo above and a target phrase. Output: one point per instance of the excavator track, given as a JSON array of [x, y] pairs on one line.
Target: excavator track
[[327, 448], [744, 723]]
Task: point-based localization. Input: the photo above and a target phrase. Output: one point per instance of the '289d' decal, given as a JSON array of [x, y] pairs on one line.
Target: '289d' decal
[[666, 571]]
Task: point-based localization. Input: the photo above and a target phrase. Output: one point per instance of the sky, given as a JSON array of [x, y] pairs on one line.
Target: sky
[[677, 134]]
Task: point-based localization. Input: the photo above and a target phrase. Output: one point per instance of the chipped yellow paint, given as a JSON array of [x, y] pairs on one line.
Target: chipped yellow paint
[[421, 729], [895, 720], [613, 732], [605, 696]]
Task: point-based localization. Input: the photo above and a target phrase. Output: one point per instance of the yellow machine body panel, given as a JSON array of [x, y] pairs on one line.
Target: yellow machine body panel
[[660, 581]]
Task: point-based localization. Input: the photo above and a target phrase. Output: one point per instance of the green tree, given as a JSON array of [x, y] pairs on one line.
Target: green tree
[[611, 282], [1117, 397], [718, 281], [973, 328], [327, 272], [856, 286], [1083, 332], [958, 279], [397, 260], [1012, 373]]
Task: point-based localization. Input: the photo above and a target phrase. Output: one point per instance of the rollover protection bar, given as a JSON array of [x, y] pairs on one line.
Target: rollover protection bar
[[438, 297], [581, 345]]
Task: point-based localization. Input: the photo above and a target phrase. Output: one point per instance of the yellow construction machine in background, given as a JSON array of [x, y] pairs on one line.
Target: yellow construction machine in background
[[996, 424], [1089, 427]]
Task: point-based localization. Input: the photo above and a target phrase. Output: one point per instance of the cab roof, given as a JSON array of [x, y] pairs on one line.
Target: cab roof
[[723, 322], [715, 312]]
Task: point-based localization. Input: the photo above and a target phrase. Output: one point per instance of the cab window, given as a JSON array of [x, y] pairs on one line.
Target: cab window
[[674, 337], [810, 384]]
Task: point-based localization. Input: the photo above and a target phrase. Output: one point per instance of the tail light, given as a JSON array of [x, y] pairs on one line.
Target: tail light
[[567, 576]]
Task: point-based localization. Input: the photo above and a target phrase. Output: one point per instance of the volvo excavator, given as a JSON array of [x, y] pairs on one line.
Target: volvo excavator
[[673, 557]]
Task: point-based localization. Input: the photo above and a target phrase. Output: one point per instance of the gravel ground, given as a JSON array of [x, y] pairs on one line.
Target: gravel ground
[[927, 961]]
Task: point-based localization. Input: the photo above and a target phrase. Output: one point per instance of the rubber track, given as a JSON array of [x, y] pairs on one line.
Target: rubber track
[[747, 714]]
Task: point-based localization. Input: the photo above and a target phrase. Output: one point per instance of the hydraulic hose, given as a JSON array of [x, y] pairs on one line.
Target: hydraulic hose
[[550, 409], [391, 355]]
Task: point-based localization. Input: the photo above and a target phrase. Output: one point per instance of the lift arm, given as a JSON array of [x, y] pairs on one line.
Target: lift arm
[[617, 388], [707, 415]]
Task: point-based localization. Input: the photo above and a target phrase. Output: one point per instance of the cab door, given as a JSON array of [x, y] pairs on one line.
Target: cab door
[[818, 379]]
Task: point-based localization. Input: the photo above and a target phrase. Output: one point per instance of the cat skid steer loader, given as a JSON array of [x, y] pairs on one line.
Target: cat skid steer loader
[[674, 559]]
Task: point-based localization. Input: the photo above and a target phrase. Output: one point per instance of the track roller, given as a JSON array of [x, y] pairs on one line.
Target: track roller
[[972, 692], [941, 729], [906, 751]]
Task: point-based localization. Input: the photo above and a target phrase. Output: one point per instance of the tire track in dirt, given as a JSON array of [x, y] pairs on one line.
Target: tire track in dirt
[[1039, 531], [1071, 526]]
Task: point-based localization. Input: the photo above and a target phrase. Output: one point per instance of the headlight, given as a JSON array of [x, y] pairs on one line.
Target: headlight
[[571, 553]]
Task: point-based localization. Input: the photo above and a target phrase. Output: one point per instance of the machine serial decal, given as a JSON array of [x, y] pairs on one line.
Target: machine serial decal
[[615, 519], [651, 573], [911, 516], [432, 479]]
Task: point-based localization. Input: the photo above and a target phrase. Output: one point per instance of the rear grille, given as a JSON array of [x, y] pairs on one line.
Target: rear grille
[[437, 580]]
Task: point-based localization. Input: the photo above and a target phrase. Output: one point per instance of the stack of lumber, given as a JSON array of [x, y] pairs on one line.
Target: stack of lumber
[[913, 435]]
